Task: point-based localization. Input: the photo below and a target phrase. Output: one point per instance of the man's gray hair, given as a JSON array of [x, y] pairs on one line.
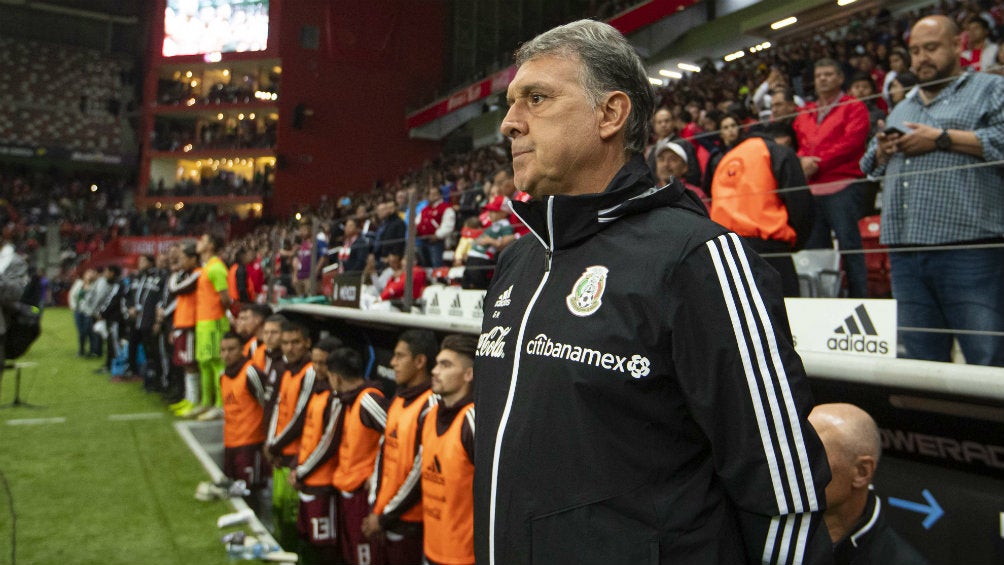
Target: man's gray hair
[[609, 63]]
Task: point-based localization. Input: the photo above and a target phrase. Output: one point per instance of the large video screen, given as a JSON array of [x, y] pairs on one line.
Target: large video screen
[[194, 27]]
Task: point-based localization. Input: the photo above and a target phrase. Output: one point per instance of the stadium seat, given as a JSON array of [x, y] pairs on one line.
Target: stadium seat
[[819, 273], [879, 283]]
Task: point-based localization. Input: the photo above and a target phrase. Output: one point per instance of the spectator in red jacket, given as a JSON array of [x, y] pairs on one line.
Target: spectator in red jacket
[[832, 134], [394, 290], [435, 224]]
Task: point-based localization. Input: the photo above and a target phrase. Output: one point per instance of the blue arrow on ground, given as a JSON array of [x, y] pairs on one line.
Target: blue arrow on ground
[[932, 508]]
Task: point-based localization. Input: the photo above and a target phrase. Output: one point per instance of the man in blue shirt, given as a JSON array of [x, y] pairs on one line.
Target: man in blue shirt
[[940, 153]]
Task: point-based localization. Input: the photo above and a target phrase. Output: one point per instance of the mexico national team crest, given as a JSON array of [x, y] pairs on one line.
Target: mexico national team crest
[[587, 292]]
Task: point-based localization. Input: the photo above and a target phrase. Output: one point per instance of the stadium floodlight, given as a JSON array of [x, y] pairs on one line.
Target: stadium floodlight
[[655, 81], [670, 74], [689, 67], [845, 2], [733, 56], [783, 23]]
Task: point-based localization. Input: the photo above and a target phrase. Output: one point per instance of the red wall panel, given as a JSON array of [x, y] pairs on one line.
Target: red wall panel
[[354, 87]]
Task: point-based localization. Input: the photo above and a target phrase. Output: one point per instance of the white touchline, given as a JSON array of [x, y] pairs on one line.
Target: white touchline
[[139, 416], [36, 421]]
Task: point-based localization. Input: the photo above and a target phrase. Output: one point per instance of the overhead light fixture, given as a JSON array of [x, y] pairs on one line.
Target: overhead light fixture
[[733, 56], [845, 2], [765, 45], [689, 67], [670, 74], [783, 23], [655, 81]]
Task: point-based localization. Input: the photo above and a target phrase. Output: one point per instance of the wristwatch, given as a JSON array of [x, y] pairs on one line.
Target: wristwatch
[[944, 141]]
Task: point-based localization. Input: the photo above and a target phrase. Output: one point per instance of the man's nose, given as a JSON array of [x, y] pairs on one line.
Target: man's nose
[[512, 125]]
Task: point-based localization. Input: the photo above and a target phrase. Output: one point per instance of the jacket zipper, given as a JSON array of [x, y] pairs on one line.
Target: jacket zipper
[[500, 433]]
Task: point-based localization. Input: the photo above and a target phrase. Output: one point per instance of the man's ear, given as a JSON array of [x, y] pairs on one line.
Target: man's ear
[[864, 471], [613, 114]]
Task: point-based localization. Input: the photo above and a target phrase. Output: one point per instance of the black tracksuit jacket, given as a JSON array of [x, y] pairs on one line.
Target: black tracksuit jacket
[[639, 398]]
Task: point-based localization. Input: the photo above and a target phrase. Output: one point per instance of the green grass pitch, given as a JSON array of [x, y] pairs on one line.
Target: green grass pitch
[[91, 490]]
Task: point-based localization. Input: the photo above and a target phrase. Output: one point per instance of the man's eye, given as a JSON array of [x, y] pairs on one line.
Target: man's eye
[[536, 98]]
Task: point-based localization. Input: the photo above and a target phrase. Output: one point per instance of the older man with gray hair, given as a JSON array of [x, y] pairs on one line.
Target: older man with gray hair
[[638, 396]]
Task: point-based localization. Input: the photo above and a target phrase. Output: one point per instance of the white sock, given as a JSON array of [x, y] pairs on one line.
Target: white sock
[[193, 387]]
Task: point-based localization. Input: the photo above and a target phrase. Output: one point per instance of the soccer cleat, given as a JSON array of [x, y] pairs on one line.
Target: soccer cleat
[[179, 404], [211, 414], [194, 411], [207, 491], [182, 406]]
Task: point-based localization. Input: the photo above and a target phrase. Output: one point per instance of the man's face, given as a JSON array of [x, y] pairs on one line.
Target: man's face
[[781, 108], [976, 33], [319, 358], [203, 244], [828, 81], [405, 365], [295, 346], [934, 52], [241, 325], [271, 334], [174, 258], [393, 261], [861, 89], [230, 351], [504, 184], [670, 164], [452, 373], [662, 123], [553, 126], [434, 195], [351, 228]]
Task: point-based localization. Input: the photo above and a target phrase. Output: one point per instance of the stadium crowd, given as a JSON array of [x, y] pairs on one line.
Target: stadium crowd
[[302, 410], [460, 199]]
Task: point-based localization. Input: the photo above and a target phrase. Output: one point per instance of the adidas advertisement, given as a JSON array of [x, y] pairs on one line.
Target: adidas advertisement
[[843, 325], [454, 302]]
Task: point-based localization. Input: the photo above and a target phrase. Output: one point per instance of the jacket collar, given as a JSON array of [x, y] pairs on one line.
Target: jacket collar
[[561, 221], [866, 527]]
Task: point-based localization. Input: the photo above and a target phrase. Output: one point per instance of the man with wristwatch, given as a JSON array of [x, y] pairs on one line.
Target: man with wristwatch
[[943, 189]]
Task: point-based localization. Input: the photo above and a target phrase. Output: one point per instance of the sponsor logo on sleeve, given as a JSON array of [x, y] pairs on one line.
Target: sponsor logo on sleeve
[[505, 298], [587, 292]]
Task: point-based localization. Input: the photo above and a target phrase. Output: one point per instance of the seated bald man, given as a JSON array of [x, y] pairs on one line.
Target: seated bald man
[[853, 514]]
